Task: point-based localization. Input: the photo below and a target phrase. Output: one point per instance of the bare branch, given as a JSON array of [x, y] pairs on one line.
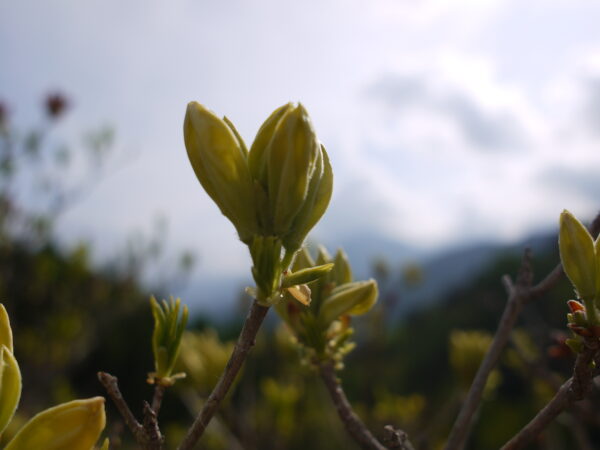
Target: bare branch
[[463, 423], [111, 385], [573, 390], [159, 392], [354, 426], [151, 430], [243, 345]]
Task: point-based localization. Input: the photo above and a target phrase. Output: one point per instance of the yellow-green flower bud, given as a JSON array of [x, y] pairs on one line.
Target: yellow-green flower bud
[[5, 330], [10, 386], [166, 337], [342, 272], [597, 249], [220, 161], [75, 425], [257, 159], [292, 157], [577, 255], [352, 298], [315, 204]]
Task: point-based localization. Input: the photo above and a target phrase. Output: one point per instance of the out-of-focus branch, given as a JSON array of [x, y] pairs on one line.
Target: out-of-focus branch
[[147, 436], [243, 345], [395, 439], [573, 390], [518, 295]]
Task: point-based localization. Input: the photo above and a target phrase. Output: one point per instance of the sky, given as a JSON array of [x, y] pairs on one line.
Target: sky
[[447, 122]]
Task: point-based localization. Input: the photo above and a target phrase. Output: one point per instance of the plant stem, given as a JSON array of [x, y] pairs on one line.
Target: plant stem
[[354, 426], [238, 356], [574, 389]]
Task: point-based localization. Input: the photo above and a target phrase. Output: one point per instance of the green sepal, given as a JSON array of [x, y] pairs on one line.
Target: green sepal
[[304, 276], [266, 269]]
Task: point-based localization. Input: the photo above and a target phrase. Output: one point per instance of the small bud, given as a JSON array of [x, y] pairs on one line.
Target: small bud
[[166, 337], [105, 444], [574, 305], [577, 255], [576, 345], [75, 425], [10, 386], [219, 159], [342, 273], [580, 318], [352, 298], [304, 276], [5, 330]]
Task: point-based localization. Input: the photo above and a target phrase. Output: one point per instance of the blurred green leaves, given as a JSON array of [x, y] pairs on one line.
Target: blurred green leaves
[[166, 337]]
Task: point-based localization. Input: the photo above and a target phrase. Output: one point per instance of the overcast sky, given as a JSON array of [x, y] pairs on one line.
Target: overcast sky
[[446, 121]]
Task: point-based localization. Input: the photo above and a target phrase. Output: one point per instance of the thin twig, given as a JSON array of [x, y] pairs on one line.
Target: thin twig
[[573, 390], [354, 426], [159, 392], [464, 421], [111, 385], [518, 296], [238, 356], [151, 429]]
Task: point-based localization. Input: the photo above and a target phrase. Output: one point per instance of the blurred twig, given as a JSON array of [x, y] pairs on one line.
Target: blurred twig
[[243, 345], [573, 390], [396, 439]]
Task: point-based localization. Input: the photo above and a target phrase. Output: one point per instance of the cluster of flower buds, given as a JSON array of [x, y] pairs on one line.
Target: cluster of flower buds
[[75, 425], [274, 193], [580, 256], [166, 339], [318, 313]]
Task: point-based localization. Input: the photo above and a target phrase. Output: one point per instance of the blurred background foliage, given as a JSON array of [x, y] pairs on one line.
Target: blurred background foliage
[[72, 319]]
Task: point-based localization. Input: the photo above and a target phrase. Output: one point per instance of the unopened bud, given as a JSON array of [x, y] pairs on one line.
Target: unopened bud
[[75, 425], [577, 255], [342, 273], [574, 305], [293, 152], [5, 330], [166, 337], [219, 159], [10, 386], [352, 298]]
